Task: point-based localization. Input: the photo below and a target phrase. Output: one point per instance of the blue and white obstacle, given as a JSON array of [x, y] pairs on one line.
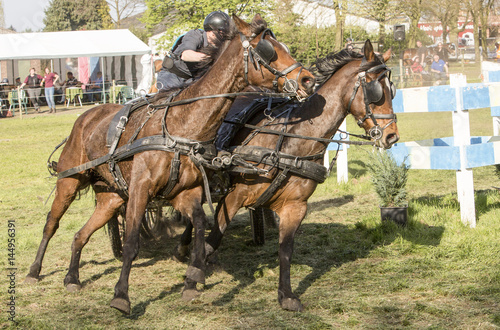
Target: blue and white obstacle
[[460, 152]]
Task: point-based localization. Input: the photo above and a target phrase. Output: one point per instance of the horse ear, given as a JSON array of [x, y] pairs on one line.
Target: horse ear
[[387, 55], [242, 26], [368, 50]]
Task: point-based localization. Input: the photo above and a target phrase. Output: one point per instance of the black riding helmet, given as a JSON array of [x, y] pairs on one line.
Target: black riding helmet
[[217, 21]]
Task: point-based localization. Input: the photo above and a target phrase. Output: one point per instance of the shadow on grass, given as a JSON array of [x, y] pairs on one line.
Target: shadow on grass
[[321, 247], [482, 205]]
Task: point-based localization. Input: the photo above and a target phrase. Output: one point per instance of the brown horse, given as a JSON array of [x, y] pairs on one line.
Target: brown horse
[[356, 84], [147, 173], [157, 64]]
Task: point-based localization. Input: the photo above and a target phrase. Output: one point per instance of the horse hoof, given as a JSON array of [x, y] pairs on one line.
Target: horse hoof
[[293, 305], [31, 280], [190, 294], [72, 287], [195, 274], [121, 304]]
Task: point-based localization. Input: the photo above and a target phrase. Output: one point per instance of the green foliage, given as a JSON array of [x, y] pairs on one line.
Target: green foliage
[[185, 15], [73, 15], [389, 179]]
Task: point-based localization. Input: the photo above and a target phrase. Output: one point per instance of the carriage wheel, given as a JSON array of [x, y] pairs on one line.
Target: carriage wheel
[[157, 220], [116, 231], [259, 218]]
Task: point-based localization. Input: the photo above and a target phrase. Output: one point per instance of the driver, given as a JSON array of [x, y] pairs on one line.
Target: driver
[[180, 68]]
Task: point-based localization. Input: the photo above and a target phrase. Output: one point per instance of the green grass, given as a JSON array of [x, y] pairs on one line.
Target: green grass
[[349, 269]]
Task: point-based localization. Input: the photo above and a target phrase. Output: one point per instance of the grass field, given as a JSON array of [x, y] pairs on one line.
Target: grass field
[[349, 269]]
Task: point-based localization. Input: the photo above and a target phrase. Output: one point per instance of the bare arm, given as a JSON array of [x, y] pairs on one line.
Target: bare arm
[[192, 56]]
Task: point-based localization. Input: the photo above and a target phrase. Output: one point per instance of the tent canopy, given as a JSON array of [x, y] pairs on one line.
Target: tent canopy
[[50, 45]]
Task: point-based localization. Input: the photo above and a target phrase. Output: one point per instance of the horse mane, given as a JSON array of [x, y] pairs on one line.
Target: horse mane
[[326, 67]]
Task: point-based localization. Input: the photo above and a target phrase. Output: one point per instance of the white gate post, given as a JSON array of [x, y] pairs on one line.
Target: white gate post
[[461, 134], [342, 168]]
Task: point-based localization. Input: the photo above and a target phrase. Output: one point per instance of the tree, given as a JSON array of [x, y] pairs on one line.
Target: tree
[[185, 15], [382, 11], [73, 15], [124, 8], [480, 11], [413, 9], [447, 12], [2, 18]]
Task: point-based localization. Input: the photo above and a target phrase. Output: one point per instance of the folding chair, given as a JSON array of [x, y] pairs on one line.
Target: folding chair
[[127, 93], [14, 101]]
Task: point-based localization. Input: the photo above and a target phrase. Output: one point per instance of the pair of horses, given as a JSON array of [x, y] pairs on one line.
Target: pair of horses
[[356, 84], [408, 55]]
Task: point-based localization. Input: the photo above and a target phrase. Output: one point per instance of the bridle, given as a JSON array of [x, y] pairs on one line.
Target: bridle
[[263, 54], [373, 93]]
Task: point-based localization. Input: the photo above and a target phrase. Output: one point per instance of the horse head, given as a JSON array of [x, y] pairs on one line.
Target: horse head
[[268, 62], [370, 101]]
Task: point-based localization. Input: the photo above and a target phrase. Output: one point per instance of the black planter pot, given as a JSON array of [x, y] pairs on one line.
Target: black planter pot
[[397, 214]]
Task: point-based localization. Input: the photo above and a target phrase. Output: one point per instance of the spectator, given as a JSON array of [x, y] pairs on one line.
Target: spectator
[[70, 81], [442, 52], [33, 81], [181, 67], [18, 82], [439, 69], [49, 79], [421, 53], [95, 87], [416, 67]]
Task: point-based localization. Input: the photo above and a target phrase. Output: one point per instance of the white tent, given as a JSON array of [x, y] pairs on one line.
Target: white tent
[[50, 45], [104, 44]]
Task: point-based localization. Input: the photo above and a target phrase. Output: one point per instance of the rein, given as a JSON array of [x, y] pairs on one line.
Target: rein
[[304, 137], [204, 97]]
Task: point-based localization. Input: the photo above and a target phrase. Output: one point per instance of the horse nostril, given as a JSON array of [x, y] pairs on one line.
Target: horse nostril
[[308, 82], [392, 138]]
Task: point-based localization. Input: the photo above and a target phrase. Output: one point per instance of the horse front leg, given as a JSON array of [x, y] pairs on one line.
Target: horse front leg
[[66, 190], [291, 216], [136, 207], [107, 205]]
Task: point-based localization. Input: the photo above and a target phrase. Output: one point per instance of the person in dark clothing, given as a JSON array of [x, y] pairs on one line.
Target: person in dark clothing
[[33, 81], [180, 68], [442, 52]]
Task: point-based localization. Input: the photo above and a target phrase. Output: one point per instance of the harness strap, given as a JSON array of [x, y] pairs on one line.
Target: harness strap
[[115, 171], [269, 192], [206, 185], [156, 142], [302, 166], [173, 178]]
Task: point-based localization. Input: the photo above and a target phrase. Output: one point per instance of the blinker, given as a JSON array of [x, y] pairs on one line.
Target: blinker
[[375, 91], [265, 48]]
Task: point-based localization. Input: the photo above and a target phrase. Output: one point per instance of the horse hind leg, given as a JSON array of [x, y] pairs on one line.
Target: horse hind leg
[[107, 205], [66, 190]]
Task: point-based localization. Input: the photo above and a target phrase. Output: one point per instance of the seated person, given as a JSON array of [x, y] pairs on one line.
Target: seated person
[[416, 67], [439, 69], [70, 81], [96, 87]]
